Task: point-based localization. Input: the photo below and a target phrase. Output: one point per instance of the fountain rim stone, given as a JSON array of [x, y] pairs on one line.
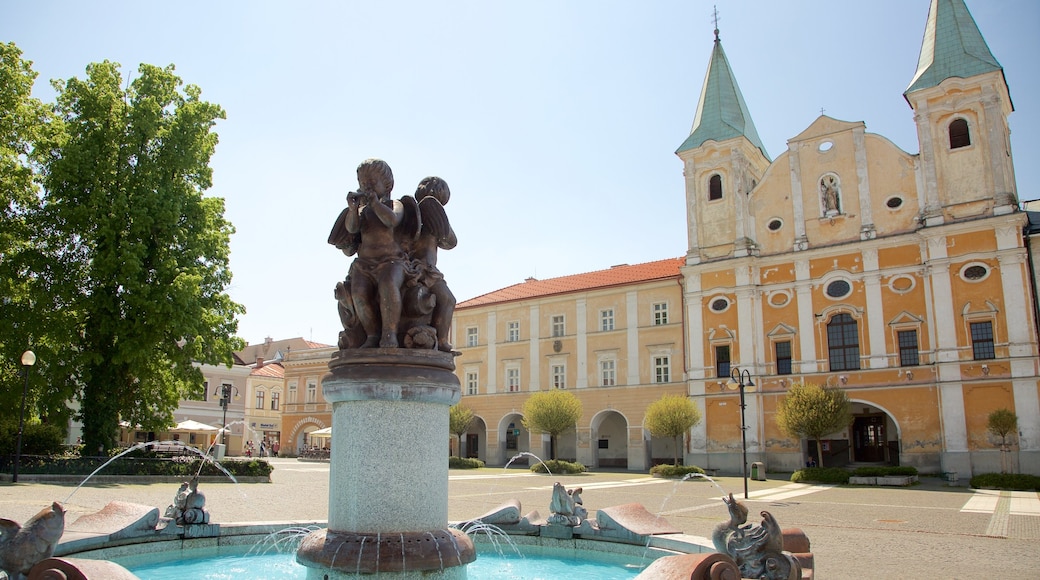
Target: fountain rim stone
[[386, 552]]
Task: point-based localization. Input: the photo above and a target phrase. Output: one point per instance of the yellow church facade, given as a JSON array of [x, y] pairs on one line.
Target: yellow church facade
[[904, 278]]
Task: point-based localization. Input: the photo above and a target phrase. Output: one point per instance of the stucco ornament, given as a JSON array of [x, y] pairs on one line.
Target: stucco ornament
[[394, 296]]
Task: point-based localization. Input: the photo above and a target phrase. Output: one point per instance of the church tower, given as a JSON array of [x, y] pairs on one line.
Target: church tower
[[723, 160], [961, 106]]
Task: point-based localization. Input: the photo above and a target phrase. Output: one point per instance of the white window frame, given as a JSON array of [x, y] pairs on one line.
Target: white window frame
[[558, 324], [606, 319], [660, 312], [513, 331], [513, 379], [291, 399], [261, 398], [276, 400], [558, 375], [472, 336], [662, 368], [312, 391], [472, 382], [608, 372]]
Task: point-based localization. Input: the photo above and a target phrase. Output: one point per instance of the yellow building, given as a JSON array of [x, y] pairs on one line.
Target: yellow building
[[304, 409], [903, 278]]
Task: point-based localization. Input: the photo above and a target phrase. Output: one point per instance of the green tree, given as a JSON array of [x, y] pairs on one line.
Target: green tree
[[144, 254], [553, 412], [1002, 423], [460, 418], [811, 411], [33, 318], [672, 416]]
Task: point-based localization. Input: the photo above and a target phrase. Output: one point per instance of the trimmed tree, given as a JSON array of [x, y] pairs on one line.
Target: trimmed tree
[[810, 411], [553, 412], [1002, 423], [460, 418], [672, 416]]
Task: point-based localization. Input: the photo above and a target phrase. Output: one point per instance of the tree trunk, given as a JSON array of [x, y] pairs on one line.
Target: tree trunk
[[819, 451], [675, 452]]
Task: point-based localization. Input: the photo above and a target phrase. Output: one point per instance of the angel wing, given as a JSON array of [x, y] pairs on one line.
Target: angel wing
[[412, 223], [343, 239], [435, 222]]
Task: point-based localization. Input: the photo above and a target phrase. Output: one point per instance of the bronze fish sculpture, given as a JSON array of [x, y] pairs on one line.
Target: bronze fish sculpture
[[21, 547]]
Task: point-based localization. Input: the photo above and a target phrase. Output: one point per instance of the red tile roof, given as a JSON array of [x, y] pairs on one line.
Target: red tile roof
[[615, 276], [273, 370]]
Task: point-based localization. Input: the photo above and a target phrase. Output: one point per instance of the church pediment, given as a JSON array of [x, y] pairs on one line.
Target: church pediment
[[823, 126]]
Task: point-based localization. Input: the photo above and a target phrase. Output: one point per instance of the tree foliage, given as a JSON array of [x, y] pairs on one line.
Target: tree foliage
[[123, 261], [811, 411], [553, 412], [460, 417], [1002, 423], [672, 416]]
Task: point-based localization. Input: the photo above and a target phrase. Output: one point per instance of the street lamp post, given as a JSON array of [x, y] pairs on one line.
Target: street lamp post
[[28, 360], [225, 400], [743, 379]]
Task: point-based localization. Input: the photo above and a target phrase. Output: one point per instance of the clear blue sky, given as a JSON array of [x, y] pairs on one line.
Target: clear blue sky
[[554, 123]]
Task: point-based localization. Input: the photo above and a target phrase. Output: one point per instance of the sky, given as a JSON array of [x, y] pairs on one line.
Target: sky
[[554, 123]]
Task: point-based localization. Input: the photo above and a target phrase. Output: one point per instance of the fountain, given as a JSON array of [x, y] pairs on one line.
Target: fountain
[[390, 385]]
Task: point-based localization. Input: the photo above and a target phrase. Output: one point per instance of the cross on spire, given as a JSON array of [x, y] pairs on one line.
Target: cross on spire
[[715, 18]]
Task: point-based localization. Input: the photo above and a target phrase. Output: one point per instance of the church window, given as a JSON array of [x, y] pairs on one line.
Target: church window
[[959, 134], [843, 343], [909, 355], [982, 340], [975, 272], [722, 360], [719, 304], [894, 202], [783, 357], [775, 224], [838, 289], [715, 187]]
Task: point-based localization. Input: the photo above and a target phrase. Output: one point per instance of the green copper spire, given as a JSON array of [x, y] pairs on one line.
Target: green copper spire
[[952, 47], [721, 111]]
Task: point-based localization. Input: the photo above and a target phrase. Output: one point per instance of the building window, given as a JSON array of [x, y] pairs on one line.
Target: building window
[[205, 391], [513, 380], [275, 400], [292, 393], [783, 357], [259, 399], [722, 360], [908, 351], [471, 336], [558, 326], [559, 376], [843, 343], [608, 373], [959, 134], [982, 340], [606, 319], [662, 369], [312, 391], [513, 331], [660, 313], [471, 383], [838, 289], [715, 187]]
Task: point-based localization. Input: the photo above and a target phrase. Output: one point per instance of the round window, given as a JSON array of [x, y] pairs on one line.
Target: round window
[[719, 304], [825, 146], [838, 289], [779, 299], [775, 224], [894, 202], [975, 272]]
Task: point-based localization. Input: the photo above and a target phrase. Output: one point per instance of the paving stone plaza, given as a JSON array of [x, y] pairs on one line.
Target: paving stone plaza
[[930, 530]]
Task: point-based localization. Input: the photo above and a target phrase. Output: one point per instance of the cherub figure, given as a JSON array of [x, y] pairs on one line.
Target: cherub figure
[[432, 195], [366, 228]]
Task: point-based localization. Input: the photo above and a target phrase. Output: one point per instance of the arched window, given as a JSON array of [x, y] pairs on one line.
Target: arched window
[[715, 187], [959, 135], [843, 343]]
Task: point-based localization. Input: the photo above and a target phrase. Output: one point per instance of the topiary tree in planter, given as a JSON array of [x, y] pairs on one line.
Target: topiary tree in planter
[[1003, 423]]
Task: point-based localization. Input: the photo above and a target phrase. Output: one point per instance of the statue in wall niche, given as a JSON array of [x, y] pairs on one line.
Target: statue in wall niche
[[830, 192], [22, 547], [758, 551], [393, 294], [566, 506]]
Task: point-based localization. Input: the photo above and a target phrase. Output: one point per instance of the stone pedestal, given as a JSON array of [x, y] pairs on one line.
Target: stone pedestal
[[388, 478]]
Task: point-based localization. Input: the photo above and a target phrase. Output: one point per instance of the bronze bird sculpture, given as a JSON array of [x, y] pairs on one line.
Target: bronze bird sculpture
[[21, 547]]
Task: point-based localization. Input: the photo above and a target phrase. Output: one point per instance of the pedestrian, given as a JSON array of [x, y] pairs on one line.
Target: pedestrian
[[262, 448]]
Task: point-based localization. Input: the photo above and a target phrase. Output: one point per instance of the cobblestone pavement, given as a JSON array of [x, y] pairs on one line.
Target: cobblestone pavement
[[930, 530]]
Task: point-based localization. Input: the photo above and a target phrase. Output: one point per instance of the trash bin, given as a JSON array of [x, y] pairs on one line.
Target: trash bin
[[218, 451], [758, 471]]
